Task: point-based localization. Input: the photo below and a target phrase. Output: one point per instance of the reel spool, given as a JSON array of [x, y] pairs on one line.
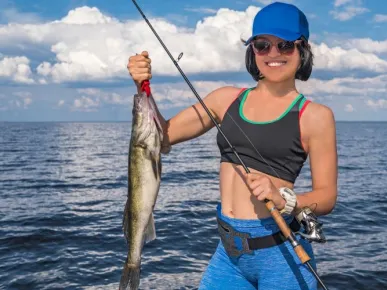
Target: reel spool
[[312, 227]]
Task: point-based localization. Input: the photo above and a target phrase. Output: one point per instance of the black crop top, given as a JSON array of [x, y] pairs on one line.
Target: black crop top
[[278, 141]]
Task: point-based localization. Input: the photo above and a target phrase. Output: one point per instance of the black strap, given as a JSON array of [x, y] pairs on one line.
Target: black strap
[[272, 240]]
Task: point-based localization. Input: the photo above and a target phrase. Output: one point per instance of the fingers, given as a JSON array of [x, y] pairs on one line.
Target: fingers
[[145, 54], [143, 57], [141, 77], [139, 67], [138, 64], [139, 70], [260, 191], [262, 188], [139, 61], [259, 186]]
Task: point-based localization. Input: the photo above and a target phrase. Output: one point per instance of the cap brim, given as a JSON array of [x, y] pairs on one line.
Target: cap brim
[[285, 35]]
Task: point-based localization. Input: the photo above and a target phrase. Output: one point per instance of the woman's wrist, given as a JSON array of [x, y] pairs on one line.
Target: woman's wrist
[[279, 202], [289, 202]]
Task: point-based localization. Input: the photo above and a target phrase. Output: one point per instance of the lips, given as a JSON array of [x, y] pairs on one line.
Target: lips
[[275, 63]]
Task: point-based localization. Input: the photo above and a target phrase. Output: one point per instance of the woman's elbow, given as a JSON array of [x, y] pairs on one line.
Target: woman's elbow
[[331, 201]]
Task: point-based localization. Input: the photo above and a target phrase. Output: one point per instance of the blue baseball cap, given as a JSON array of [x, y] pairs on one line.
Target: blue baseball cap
[[283, 20]]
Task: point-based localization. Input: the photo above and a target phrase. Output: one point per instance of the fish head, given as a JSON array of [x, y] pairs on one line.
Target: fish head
[[147, 130]]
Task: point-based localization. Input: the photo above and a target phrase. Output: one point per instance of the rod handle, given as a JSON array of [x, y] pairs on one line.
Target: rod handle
[[302, 255]]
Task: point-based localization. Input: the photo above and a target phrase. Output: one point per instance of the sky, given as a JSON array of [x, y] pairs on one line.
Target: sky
[[66, 60]]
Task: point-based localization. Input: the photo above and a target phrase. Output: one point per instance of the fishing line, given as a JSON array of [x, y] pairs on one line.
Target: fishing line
[[256, 150], [289, 235]]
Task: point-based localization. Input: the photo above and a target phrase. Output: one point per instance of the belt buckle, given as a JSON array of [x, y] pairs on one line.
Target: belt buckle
[[228, 234]]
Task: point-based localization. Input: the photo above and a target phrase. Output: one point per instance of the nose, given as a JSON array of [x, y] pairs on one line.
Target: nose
[[274, 51]]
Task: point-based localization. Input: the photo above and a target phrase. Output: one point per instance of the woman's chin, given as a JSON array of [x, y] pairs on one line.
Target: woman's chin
[[278, 77]]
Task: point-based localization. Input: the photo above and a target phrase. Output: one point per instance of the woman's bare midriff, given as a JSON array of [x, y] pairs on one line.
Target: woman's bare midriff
[[237, 200]]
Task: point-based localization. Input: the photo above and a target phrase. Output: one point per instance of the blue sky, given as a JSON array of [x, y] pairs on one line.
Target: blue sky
[[65, 60]]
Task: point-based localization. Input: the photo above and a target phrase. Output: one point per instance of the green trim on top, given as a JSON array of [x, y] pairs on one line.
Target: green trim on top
[[302, 103], [266, 122]]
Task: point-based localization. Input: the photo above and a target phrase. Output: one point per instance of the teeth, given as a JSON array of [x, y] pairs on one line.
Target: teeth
[[275, 63]]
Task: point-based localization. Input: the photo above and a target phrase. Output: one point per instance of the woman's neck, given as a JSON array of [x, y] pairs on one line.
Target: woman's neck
[[274, 89]]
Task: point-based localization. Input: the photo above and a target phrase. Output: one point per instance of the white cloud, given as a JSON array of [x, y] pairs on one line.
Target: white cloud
[[89, 91], [27, 102], [85, 104], [337, 58], [349, 108], [366, 45], [347, 9], [12, 15], [348, 13], [341, 2], [24, 99], [201, 10], [91, 99], [105, 97], [380, 18], [16, 103], [86, 15], [89, 45], [349, 87], [16, 69], [377, 104], [180, 95]]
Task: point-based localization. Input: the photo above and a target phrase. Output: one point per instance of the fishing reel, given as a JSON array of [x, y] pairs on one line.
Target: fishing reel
[[312, 227]]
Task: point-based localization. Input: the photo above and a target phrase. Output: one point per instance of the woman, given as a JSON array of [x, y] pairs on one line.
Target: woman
[[274, 129]]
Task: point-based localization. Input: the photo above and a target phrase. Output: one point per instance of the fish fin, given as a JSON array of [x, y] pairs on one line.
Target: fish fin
[[150, 231], [130, 278], [156, 166]]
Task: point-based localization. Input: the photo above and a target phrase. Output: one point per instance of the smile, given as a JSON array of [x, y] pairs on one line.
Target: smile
[[276, 63]]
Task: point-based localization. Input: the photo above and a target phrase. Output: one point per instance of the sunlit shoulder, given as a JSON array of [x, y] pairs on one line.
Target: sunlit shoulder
[[318, 118], [220, 99]]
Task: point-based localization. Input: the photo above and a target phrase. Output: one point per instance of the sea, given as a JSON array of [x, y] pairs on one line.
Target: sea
[[63, 188]]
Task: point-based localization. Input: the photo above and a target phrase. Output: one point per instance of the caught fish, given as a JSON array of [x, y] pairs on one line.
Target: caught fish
[[144, 171]]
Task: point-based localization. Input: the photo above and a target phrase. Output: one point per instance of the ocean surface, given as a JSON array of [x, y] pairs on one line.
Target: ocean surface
[[63, 189]]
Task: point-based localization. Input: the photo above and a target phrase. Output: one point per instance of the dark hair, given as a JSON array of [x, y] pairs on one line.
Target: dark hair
[[304, 71]]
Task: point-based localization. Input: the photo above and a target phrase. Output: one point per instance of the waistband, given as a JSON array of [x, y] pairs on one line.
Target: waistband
[[255, 227]]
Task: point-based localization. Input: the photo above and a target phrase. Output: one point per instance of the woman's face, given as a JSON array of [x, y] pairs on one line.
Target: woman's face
[[277, 60]]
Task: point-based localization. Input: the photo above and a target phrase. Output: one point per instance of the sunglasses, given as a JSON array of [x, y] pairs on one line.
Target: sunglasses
[[263, 47]]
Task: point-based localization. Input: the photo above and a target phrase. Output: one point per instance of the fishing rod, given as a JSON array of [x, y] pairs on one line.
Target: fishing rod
[[286, 231]]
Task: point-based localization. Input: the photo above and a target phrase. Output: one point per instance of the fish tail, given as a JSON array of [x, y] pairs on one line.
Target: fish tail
[[130, 279]]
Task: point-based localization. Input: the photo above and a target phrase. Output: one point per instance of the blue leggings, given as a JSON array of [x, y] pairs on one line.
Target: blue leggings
[[274, 268]]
